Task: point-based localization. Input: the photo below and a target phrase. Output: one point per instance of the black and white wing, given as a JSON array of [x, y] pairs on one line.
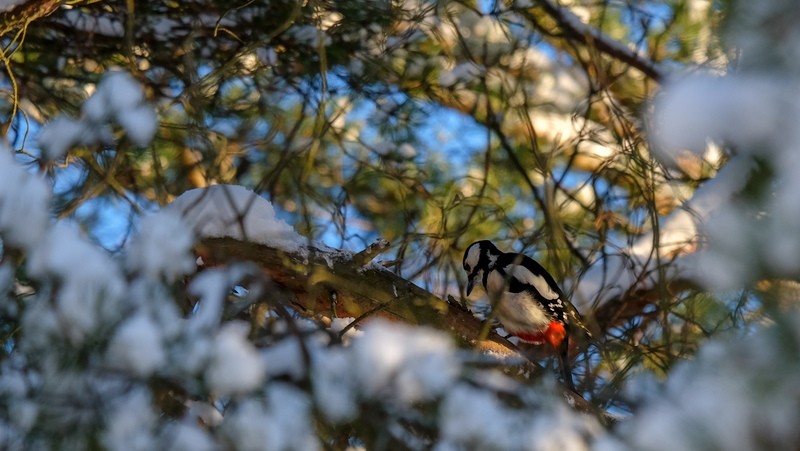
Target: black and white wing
[[526, 274]]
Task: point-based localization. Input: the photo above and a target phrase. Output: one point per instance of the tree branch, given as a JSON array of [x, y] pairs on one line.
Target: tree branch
[[372, 251], [328, 283], [586, 34], [23, 14]]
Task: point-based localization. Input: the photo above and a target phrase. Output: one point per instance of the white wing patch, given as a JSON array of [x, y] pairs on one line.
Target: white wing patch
[[525, 276]]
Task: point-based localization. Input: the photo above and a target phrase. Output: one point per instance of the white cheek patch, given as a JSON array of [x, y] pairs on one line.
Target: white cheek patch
[[495, 283], [479, 279], [473, 255], [524, 275]]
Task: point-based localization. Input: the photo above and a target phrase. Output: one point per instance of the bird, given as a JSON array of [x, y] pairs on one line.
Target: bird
[[525, 298]]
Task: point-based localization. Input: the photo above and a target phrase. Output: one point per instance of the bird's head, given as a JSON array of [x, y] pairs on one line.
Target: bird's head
[[479, 257]]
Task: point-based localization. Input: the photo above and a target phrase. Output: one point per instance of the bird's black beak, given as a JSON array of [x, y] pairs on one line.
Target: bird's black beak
[[470, 284]]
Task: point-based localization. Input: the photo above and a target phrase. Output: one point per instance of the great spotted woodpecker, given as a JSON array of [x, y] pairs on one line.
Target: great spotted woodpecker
[[525, 298]]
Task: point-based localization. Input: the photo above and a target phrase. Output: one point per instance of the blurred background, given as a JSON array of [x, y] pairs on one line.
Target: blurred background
[[434, 124]]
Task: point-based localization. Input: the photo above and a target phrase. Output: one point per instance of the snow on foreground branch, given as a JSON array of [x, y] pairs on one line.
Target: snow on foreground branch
[[651, 259], [753, 235], [740, 226]]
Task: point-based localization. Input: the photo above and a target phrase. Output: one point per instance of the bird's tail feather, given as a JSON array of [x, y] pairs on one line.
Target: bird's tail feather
[[563, 360]]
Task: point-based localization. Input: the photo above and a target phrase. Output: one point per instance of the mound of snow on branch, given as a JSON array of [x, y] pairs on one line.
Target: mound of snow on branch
[[236, 212]]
